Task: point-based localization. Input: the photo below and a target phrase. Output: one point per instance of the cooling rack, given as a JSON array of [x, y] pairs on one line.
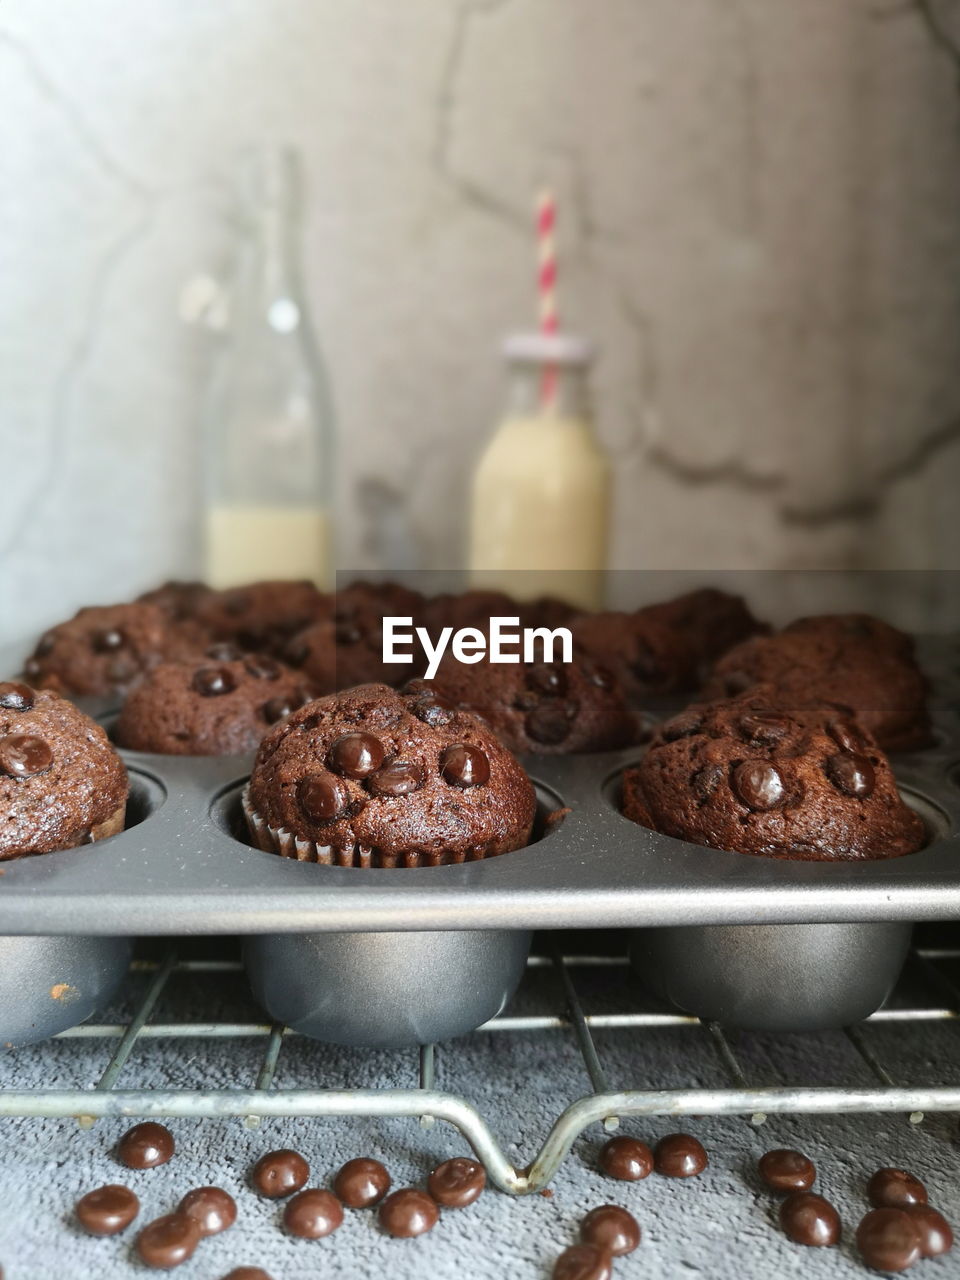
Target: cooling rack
[[929, 996]]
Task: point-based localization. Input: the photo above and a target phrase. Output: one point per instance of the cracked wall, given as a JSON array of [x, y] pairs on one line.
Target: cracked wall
[[759, 225]]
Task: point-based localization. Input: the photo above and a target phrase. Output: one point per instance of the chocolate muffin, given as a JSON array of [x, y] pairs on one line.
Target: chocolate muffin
[[747, 774], [373, 777], [554, 708], [851, 659], [261, 615], [709, 620], [646, 656], [221, 705], [104, 650], [180, 600], [61, 782]]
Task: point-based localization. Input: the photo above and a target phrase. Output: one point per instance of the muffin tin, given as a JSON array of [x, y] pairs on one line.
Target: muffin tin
[[186, 867]]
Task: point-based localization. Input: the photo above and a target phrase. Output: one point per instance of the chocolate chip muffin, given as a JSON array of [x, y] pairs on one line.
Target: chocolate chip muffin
[[105, 650], [261, 615], [549, 708], [376, 778], [709, 620], [221, 705], [61, 782], [646, 656], [851, 659], [750, 775]]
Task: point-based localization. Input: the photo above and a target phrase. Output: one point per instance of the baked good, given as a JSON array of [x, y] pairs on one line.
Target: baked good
[[261, 615], [61, 782], [851, 659], [106, 649], [220, 705], [548, 708], [750, 775], [709, 620], [180, 600], [373, 777], [646, 656]]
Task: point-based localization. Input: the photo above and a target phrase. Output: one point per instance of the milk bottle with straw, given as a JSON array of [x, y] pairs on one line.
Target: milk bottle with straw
[[541, 492]]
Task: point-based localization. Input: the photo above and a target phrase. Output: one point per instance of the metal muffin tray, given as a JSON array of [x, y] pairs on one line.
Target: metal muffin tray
[[185, 866]]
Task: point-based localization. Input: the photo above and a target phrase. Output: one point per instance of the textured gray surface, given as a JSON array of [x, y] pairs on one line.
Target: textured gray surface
[[720, 1225]]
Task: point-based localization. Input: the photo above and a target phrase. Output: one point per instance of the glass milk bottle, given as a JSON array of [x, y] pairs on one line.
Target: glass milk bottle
[[269, 430], [541, 492]]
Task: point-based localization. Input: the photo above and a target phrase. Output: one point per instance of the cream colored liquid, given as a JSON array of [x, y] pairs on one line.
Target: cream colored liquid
[[540, 510], [250, 544]]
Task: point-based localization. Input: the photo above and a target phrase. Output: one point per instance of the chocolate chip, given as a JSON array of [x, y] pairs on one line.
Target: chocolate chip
[[347, 633], [322, 798], [852, 774], [551, 680], [427, 705], [108, 640], [211, 1208], [846, 735], [145, 1146], [279, 708], [456, 1183], [611, 1228], [627, 1159], [599, 676], [107, 1211], [464, 766], [356, 755], [313, 1214], [758, 784], [224, 652], [22, 755], [682, 726], [32, 668], [547, 723], [396, 778], [760, 727], [211, 682], [645, 664], [262, 668], [808, 1219], [583, 1262], [168, 1241], [888, 1240], [408, 1212], [706, 780], [16, 697], [45, 645], [787, 1170], [296, 653], [936, 1234], [679, 1155], [361, 1183], [895, 1189], [279, 1173]]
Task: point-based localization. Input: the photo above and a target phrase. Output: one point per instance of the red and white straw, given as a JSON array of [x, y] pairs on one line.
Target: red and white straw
[[547, 285]]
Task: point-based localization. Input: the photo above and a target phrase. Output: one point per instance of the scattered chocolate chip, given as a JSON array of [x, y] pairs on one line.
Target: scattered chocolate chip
[[168, 1241], [464, 766], [706, 780], [356, 755], [627, 1159], [583, 1262], [682, 726], [895, 1189], [678, 1155], [107, 1211], [598, 676], [223, 652], [808, 1219], [22, 755], [212, 682], [107, 641], [456, 1183], [279, 1173], [16, 697], [211, 1208], [145, 1146], [787, 1170], [322, 798], [261, 668], [408, 1212], [396, 778], [547, 723], [313, 1214], [888, 1240], [32, 668], [430, 707], [361, 1183], [847, 735], [936, 1234], [758, 784], [279, 708], [761, 727], [853, 774], [611, 1228], [546, 678]]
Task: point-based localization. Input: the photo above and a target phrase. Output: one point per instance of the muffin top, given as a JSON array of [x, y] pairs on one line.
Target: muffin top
[[711, 621], [60, 779], [106, 649], [220, 705], [748, 775], [400, 773], [261, 614], [549, 708], [851, 659], [178, 599], [646, 655]]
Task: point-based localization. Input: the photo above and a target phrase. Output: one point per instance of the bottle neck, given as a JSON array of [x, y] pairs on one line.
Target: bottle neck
[[561, 391]]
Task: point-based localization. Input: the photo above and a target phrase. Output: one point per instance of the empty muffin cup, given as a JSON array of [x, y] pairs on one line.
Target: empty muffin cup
[[773, 977], [386, 990], [48, 984]]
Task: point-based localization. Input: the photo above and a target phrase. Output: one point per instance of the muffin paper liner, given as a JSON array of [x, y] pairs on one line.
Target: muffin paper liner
[[280, 841]]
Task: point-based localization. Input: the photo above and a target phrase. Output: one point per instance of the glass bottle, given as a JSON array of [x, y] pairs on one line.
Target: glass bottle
[[268, 434], [541, 492]]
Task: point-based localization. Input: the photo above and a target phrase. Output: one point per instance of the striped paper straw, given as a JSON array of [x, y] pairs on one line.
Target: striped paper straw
[[547, 285]]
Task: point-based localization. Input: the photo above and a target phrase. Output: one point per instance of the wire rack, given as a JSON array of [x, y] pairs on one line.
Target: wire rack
[[938, 1003]]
